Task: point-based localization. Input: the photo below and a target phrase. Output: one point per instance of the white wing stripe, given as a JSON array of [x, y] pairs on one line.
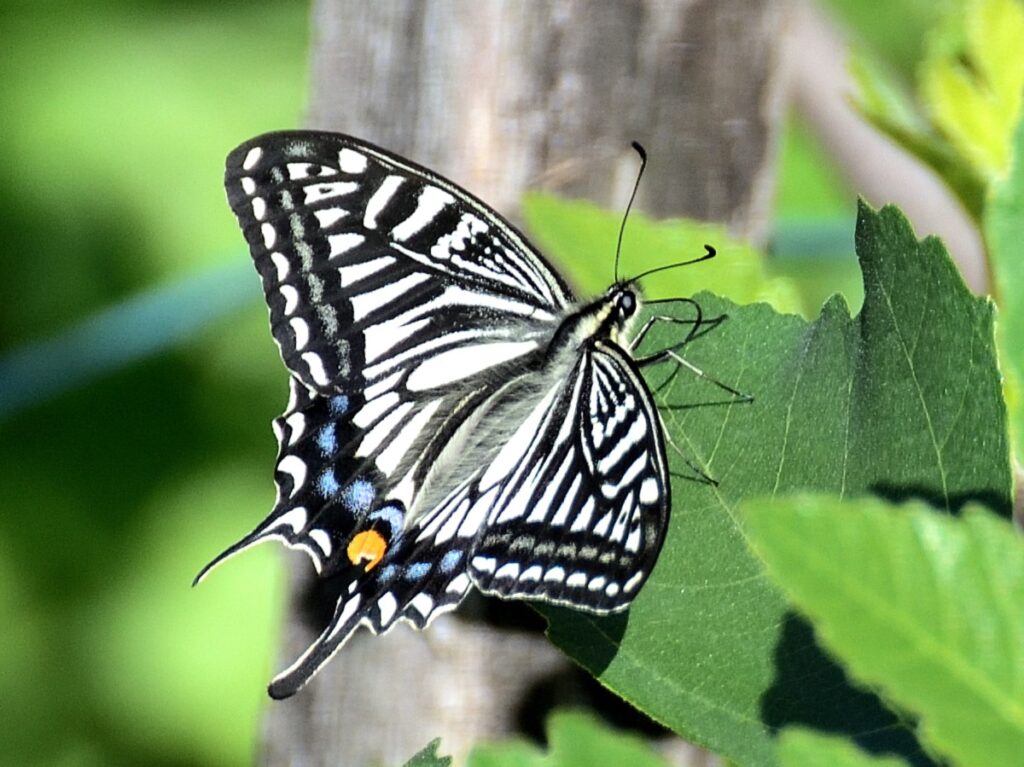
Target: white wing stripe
[[329, 216], [403, 442], [649, 491], [380, 199], [450, 523], [543, 506], [444, 368], [356, 272], [633, 437], [351, 161], [364, 303], [381, 338], [374, 409], [376, 436], [611, 489], [384, 385], [513, 450], [318, 192], [430, 202], [344, 242], [582, 521], [568, 501]]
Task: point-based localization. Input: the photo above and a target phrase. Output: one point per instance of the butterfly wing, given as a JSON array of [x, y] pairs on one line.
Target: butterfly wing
[[580, 517], [372, 265], [572, 508], [418, 453], [399, 303], [397, 300]]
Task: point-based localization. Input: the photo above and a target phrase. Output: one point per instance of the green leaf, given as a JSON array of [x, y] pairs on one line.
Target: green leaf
[[927, 607], [903, 401], [799, 747], [972, 80], [1004, 231], [582, 236], [428, 757], [575, 739]]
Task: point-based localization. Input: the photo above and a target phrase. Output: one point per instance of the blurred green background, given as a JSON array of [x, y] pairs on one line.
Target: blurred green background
[[138, 379]]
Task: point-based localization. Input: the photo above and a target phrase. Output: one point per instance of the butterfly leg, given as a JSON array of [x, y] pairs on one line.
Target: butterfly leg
[[701, 475], [697, 322], [672, 354]]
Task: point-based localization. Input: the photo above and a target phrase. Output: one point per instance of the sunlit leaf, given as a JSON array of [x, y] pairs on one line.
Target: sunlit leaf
[[1004, 230], [575, 739], [904, 400], [927, 607], [799, 747], [890, 110], [581, 237], [972, 81]]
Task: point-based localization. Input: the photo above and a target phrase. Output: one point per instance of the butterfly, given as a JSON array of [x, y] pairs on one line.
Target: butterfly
[[457, 417]]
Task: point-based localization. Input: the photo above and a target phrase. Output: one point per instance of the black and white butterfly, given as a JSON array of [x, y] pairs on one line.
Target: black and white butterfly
[[457, 417]]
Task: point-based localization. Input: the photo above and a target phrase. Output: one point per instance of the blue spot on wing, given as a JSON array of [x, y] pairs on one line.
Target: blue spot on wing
[[390, 514], [394, 516], [358, 496], [327, 439], [328, 484], [416, 571], [450, 560], [338, 405]]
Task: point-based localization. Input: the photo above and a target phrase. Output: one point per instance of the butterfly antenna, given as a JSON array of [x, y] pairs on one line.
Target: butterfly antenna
[[636, 185], [710, 252]]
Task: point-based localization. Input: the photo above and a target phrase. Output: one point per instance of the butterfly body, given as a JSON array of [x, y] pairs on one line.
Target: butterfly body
[[457, 417]]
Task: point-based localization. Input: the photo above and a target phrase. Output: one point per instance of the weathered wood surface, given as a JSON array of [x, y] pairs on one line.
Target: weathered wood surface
[[503, 97]]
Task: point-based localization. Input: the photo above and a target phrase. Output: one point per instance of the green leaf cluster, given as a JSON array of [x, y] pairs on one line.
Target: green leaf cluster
[[970, 87], [966, 124], [927, 608]]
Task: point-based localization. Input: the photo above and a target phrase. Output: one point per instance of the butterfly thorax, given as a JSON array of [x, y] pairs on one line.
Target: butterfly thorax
[[605, 318]]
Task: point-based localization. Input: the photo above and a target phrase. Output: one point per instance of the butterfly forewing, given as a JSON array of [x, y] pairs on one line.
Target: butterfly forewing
[[442, 430], [371, 265]]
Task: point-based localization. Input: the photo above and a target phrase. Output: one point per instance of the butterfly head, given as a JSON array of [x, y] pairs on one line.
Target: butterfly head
[[613, 312], [624, 300]]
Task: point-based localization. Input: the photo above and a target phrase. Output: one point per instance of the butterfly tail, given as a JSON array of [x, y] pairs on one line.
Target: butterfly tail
[[286, 525], [415, 593], [349, 613]]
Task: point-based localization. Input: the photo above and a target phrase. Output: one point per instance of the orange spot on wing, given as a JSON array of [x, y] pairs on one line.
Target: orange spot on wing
[[368, 546]]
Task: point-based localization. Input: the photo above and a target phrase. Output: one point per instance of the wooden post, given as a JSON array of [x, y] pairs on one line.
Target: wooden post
[[505, 96]]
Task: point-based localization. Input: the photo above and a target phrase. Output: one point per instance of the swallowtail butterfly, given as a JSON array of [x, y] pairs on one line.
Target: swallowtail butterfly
[[457, 417]]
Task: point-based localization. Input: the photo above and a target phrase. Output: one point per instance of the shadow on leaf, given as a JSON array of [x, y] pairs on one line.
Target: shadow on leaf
[[803, 671]]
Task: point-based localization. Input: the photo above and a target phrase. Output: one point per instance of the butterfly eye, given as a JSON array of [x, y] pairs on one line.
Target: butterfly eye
[[628, 304]]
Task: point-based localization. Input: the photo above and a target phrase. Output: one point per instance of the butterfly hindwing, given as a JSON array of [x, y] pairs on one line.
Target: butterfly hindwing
[[580, 518], [416, 580]]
